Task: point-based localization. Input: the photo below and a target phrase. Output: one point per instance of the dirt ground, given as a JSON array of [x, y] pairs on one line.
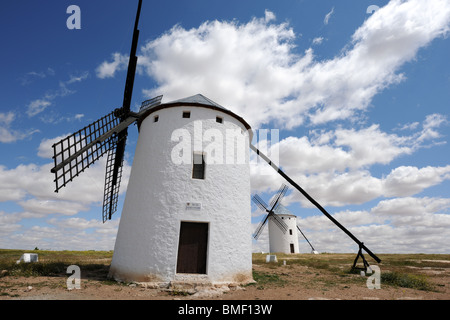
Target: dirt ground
[[285, 280]]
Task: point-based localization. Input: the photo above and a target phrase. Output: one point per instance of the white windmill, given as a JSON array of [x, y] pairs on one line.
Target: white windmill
[[279, 241], [283, 236], [186, 215]]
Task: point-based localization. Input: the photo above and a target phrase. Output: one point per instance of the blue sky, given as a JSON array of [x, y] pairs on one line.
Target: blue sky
[[360, 101]]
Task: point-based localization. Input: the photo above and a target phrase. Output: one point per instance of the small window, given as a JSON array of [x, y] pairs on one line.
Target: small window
[[219, 120], [198, 170], [156, 119], [290, 232], [186, 114]]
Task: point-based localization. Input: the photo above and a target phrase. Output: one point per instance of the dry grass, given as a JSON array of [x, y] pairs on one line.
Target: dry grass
[[303, 275], [399, 270]]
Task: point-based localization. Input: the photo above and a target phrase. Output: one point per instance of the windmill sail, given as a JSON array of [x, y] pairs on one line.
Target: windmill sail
[[260, 227], [270, 212], [260, 202], [112, 183], [75, 153], [280, 194], [72, 155]]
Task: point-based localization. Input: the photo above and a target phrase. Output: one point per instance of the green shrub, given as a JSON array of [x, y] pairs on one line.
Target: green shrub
[[405, 280]]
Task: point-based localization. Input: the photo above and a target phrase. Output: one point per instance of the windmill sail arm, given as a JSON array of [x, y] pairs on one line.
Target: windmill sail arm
[[117, 129], [73, 154], [304, 193], [132, 63], [276, 201], [113, 175], [279, 222], [260, 203], [298, 228], [260, 227]]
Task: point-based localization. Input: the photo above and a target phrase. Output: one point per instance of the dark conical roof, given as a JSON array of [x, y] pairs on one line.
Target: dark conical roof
[[198, 100]]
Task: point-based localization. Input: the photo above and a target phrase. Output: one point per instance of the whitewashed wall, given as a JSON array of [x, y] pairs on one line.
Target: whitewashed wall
[[158, 190], [279, 241]]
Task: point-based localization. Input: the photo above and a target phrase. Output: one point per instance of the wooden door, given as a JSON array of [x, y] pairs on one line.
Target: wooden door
[[192, 248], [292, 248]]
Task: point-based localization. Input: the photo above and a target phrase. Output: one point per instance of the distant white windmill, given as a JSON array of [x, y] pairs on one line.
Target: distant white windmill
[[283, 236]]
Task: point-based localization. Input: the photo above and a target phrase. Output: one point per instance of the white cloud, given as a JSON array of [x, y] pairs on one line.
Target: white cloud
[[9, 135], [37, 106], [432, 122], [343, 149], [108, 69], [78, 78], [408, 180], [411, 206], [8, 223], [269, 16], [45, 149], [399, 225], [32, 187], [317, 40], [40, 208], [33, 75], [65, 233], [328, 16], [353, 187], [333, 166], [254, 69], [82, 224]]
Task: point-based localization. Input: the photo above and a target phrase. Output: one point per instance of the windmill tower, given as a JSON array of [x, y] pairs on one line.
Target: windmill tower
[[277, 225], [285, 242], [283, 236], [186, 215]]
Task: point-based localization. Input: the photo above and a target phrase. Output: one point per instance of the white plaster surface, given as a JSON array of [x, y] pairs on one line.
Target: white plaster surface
[[279, 241], [158, 192]]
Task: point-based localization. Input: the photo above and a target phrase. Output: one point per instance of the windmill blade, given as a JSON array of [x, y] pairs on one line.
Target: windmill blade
[[279, 222], [260, 227], [75, 153], [260, 203], [113, 175], [280, 194], [132, 62], [298, 228]]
